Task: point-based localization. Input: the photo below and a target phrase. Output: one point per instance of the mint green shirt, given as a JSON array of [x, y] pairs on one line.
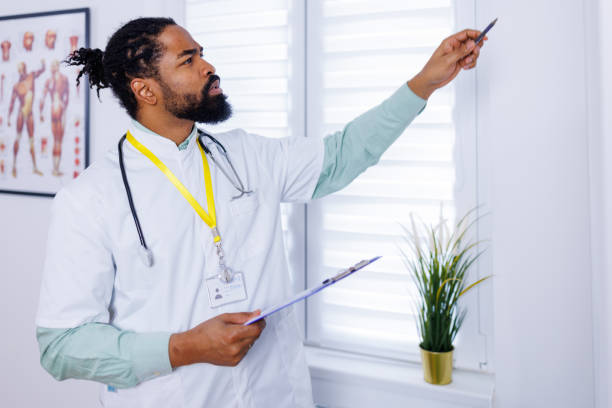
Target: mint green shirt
[[122, 358]]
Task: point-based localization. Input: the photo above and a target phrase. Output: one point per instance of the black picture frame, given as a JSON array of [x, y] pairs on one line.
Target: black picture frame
[[64, 36]]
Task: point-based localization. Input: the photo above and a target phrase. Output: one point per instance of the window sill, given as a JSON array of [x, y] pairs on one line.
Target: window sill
[[341, 379]]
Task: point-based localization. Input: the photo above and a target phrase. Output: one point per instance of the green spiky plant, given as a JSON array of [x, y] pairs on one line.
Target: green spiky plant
[[438, 265]]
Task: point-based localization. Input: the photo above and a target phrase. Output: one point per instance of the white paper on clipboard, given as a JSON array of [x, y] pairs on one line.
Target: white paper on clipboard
[[309, 292]]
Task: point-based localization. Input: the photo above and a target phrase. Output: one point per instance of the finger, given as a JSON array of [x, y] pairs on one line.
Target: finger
[[252, 335], [235, 318], [470, 63], [245, 346], [464, 35], [476, 52], [466, 61], [470, 66], [262, 324], [250, 340], [239, 318], [449, 45], [252, 331], [470, 58], [446, 47], [257, 328], [482, 42], [461, 52]]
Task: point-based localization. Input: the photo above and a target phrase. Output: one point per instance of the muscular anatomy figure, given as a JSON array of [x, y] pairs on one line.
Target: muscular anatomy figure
[[24, 92], [6, 48], [57, 87]]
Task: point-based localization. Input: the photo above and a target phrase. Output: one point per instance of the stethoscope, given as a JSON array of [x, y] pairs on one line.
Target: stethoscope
[[145, 252]]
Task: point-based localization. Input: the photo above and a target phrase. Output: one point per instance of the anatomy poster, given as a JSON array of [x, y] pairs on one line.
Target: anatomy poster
[[44, 116]]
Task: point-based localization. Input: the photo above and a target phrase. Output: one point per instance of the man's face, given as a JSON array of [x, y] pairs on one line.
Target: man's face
[[190, 88], [28, 39], [21, 68], [50, 37]]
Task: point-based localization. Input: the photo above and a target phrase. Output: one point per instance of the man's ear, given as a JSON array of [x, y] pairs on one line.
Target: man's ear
[[143, 91]]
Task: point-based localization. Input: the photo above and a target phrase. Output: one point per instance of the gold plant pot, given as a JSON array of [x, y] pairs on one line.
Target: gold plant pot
[[437, 367]]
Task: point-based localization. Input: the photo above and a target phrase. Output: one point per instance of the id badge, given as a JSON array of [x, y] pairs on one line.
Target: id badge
[[221, 293]]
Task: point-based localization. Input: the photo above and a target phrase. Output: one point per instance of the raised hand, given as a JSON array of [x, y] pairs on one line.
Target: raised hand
[[456, 52]]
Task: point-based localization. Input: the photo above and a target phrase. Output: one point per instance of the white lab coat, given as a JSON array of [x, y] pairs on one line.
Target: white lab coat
[[93, 272]]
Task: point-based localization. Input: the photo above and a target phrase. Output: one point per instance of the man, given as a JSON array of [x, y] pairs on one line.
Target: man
[[131, 301], [57, 87], [24, 92]]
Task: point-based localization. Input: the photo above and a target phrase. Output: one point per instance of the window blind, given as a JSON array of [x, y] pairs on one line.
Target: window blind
[[254, 49], [247, 42], [357, 53], [364, 51]]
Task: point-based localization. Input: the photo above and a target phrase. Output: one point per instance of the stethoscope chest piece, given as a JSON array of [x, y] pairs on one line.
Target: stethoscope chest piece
[[146, 256]]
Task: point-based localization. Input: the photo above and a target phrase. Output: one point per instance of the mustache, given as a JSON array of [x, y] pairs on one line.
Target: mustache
[[211, 81]]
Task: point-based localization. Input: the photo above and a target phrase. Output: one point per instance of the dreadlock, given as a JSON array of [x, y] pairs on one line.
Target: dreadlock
[[133, 51]]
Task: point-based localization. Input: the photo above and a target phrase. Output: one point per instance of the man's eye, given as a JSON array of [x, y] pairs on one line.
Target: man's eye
[[187, 61]]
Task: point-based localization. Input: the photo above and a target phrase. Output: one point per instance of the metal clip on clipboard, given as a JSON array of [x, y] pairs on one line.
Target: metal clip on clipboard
[[309, 292], [346, 272]]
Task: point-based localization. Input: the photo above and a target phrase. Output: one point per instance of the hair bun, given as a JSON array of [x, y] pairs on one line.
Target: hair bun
[[92, 60]]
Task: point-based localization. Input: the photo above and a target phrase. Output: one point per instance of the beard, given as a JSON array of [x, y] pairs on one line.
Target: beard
[[201, 108]]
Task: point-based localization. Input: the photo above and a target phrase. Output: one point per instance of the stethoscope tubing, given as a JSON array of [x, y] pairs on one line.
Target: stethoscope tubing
[[146, 252], [240, 188], [129, 194]]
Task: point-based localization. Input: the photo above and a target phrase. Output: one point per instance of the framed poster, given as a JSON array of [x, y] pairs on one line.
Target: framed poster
[[44, 116]]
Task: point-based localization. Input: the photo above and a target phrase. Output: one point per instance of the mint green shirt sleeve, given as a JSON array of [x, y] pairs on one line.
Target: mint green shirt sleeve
[[103, 353], [360, 144]]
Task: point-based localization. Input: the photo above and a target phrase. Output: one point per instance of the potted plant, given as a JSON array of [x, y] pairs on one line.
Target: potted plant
[[438, 261]]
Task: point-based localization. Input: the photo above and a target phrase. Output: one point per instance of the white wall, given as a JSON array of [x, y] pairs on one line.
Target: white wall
[[534, 153], [24, 223], [601, 202]]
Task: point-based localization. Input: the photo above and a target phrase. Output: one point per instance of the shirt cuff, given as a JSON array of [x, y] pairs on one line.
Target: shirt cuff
[[150, 354]]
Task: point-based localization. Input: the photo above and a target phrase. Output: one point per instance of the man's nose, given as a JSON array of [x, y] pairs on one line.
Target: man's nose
[[208, 69]]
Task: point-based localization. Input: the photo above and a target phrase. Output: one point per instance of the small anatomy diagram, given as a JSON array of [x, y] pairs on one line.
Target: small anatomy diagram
[[43, 113]]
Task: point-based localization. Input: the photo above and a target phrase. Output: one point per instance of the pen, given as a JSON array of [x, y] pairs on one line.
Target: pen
[[486, 30]]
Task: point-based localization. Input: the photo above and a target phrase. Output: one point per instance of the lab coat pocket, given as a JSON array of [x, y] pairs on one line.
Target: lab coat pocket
[[245, 205], [246, 226]]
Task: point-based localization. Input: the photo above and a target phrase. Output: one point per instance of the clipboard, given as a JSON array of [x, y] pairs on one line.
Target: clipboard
[[309, 292]]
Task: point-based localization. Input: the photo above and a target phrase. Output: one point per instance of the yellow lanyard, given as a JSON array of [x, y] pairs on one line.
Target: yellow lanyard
[[209, 219]]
